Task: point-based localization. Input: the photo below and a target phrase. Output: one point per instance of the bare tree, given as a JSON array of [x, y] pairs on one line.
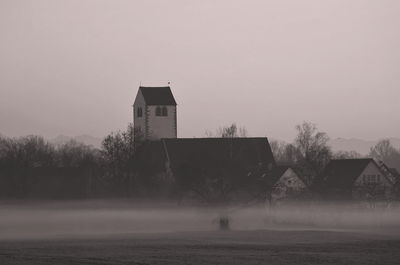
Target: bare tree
[[386, 152], [230, 131], [209, 134], [346, 155], [74, 154], [383, 150], [283, 152], [118, 150], [312, 146]]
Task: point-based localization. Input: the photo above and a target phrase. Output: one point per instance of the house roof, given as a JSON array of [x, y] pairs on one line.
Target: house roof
[[390, 173], [342, 173], [279, 170], [394, 172], [158, 95], [208, 154], [276, 173]]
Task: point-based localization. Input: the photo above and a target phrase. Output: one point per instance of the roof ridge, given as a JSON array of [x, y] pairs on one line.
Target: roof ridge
[[154, 86], [191, 138], [351, 159]]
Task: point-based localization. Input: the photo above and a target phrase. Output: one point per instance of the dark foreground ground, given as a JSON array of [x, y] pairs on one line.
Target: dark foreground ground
[[119, 232], [230, 247]]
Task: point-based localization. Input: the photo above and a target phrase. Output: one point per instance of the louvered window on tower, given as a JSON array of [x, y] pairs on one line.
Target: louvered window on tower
[[164, 111], [139, 112], [158, 111]]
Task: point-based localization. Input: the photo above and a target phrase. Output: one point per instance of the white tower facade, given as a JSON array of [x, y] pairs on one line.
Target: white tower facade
[[155, 113]]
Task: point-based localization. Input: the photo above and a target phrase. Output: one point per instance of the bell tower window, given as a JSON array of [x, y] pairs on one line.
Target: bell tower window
[[158, 111], [164, 111], [139, 112]]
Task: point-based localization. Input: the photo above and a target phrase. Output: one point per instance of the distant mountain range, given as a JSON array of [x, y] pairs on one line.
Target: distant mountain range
[[361, 146]]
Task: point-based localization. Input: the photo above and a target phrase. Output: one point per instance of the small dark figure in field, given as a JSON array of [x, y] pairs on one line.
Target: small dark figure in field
[[224, 223]]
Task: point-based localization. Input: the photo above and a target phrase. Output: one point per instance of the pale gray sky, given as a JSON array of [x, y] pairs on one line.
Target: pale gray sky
[[74, 66]]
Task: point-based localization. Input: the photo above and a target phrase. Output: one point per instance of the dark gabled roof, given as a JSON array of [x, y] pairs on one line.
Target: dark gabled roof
[[342, 173], [209, 153], [158, 95]]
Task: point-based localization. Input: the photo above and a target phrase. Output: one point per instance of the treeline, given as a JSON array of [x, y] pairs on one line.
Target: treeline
[[31, 167]]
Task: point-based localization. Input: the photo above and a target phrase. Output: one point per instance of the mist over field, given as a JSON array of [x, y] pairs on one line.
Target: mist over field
[[118, 218]]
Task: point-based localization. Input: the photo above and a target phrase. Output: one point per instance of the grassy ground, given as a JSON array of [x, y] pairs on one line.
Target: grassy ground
[[229, 247], [124, 232]]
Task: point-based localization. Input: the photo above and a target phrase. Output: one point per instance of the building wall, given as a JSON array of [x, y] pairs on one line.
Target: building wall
[[139, 122], [372, 183], [288, 185], [162, 126], [152, 126]]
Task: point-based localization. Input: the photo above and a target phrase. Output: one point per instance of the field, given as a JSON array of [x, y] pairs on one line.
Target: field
[[232, 247], [106, 233]]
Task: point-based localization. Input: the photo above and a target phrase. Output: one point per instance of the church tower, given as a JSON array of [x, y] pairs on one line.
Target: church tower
[[154, 113]]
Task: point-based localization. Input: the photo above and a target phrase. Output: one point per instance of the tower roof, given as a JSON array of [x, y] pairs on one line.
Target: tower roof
[[158, 95]]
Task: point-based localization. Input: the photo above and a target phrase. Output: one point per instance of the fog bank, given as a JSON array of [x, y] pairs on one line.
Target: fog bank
[[89, 219]]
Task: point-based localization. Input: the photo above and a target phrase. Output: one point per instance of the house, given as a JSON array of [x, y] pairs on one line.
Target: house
[[154, 113], [286, 184], [396, 180], [395, 173], [390, 173], [354, 179]]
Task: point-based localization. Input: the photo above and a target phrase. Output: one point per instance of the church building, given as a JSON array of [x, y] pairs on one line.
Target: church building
[[194, 164]]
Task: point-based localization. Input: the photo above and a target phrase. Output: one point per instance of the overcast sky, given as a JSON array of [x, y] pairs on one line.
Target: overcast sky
[[73, 67]]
